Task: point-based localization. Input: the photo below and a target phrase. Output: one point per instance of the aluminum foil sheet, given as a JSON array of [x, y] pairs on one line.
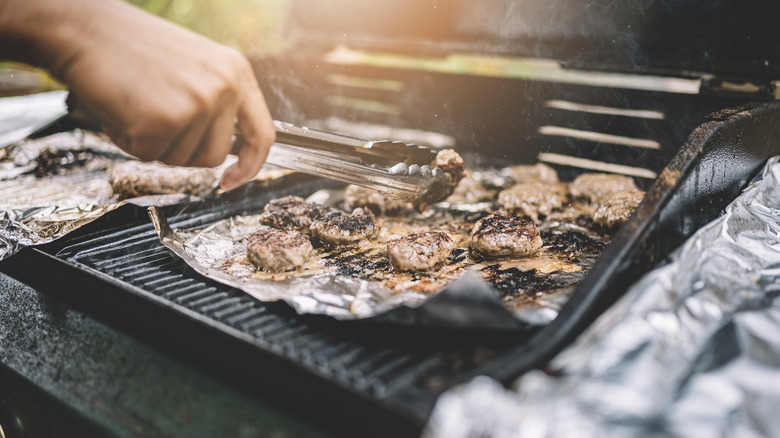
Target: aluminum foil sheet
[[692, 350], [358, 282], [21, 115], [37, 209]]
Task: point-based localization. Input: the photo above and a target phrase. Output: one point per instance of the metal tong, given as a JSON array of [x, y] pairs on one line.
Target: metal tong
[[395, 169]]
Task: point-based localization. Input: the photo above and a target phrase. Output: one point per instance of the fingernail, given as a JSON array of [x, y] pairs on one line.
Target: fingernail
[[227, 182]]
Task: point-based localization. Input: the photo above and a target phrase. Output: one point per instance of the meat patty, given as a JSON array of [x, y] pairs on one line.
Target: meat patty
[[532, 199], [293, 213], [505, 236], [339, 228], [356, 196], [615, 209], [452, 163], [594, 186], [471, 190], [538, 172], [419, 251], [278, 250], [130, 179]]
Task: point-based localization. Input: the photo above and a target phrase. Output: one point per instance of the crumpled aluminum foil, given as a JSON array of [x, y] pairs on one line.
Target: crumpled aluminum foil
[[457, 297], [693, 349], [35, 211], [219, 252], [21, 115], [338, 296]]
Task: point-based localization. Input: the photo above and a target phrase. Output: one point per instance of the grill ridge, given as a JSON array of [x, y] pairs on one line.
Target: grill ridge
[[390, 365]]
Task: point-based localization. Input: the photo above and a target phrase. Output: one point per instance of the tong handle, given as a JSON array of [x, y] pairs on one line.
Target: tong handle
[[382, 153], [395, 182]]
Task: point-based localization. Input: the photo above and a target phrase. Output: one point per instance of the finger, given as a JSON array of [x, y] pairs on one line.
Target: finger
[[216, 141], [184, 145], [117, 137], [256, 127]]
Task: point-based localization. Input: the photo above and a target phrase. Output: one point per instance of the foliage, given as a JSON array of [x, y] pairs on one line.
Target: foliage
[[251, 26]]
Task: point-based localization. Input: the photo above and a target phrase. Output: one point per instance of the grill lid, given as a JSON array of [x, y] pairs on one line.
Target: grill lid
[[727, 38]]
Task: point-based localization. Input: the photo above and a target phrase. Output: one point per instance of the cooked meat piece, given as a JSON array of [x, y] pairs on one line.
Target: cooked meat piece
[[452, 163], [616, 208], [133, 178], [419, 251], [356, 196], [471, 190], [340, 228], [594, 186], [293, 213], [505, 236], [538, 172], [532, 199], [278, 250]]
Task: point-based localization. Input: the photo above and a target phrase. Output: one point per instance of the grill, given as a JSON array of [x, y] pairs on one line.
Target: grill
[[598, 113]]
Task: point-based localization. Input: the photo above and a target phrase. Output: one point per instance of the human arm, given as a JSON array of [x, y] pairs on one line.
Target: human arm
[[163, 92]]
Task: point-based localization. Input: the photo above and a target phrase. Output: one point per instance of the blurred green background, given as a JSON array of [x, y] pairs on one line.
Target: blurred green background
[[253, 27]]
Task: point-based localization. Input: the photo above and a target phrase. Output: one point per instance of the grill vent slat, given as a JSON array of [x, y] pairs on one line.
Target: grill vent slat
[[196, 295], [232, 307], [241, 318]]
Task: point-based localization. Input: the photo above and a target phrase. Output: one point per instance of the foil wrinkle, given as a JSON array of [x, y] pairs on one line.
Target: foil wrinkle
[[692, 350]]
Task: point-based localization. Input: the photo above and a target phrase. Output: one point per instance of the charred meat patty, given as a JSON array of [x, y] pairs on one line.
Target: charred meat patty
[[532, 199], [293, 213], [132, 178], [419, 251], [339, 228], [498, 236], [616, 208], [276, 250], [595, 186]]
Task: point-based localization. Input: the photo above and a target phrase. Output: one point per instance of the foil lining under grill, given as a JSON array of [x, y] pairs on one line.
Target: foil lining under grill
[[358, 282], [691, 350], [43, 202]]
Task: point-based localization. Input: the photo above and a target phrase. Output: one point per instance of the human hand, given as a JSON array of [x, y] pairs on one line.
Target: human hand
[[162, 92]]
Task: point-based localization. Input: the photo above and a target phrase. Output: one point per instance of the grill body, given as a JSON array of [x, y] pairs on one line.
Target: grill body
[[368, 378], [374, 379]]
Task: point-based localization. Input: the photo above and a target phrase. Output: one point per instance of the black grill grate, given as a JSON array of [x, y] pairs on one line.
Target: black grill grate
[[382, 368]]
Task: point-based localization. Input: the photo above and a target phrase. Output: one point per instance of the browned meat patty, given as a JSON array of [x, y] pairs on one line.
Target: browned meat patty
[[340, 228], [505, 236], [356, 196], [278, 250], [594, 186], [616, 208], [470, 190], [538, 172], [452, 163], [293, 213], [132, 178], [419, 251], [532, 199]]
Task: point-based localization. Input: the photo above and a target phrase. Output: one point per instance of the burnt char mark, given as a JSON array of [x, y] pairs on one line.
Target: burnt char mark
[[586, 221], [360, 267], [458, 255], [512, 282], [357, 264], [56, 162], [575, 245]]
